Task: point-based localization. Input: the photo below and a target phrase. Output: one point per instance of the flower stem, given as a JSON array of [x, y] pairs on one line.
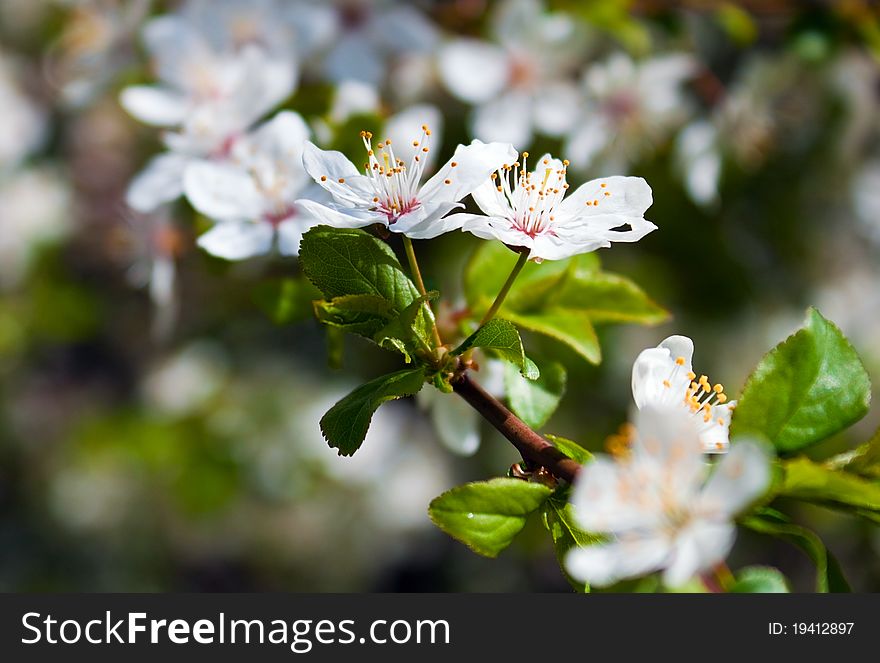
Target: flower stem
[[420, 284], [508, 284]]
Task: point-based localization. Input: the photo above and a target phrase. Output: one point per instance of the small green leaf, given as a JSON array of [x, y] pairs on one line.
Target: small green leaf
[[503, 338], [807, 388], [760, 580], [286, 300], [409, 332], [863, 461], [559, 521], [571, 449], [812, 482], [345, 424], [568, 326], [609, 297], [342, 261], [829, 576], [534, 401], [356, 314], [487, 515]]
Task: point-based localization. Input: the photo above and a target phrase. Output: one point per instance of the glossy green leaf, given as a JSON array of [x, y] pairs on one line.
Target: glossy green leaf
[[286, 300], [812, 482], [569, 326], [571, 449], [534, 401], [829, 576], [863, 461], [345, 424], [502, 338], [356, 314], [343, 262], [410, 332], [608, 298], [807, 388], [565, 533], [760, 580], [487, 515]]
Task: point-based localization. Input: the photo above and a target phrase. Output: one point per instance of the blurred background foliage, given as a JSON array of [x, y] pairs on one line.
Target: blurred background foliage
[[156, 441]]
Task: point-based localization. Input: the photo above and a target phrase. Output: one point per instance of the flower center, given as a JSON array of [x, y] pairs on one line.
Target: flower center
[[700, 395], [395, 185], [532, 198]]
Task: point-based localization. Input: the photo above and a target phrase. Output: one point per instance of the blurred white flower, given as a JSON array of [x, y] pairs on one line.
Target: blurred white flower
[[251, 193], [657, 506], [530, 210], [866, 198], [24, 121], [367, 36], [212, 96], [522, 83], [35, 211], [391, 192], [663, 377], [628, 109], [182, 383]]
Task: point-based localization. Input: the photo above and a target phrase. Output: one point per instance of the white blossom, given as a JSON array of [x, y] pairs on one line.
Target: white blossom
[[664, 377], [628, 108], [530, 209], [523, 82], [391, 192], [251, 194], [660, 506]]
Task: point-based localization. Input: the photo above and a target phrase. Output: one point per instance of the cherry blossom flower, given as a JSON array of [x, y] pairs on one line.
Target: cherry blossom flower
[[522, 83], [664, 377], [628, 108], [251, 194], [390, 191], [212, 97], [660, 506], [529, 209]]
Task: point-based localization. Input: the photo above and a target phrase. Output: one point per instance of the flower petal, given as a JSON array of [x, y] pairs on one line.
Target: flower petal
[[289, 234], [604, 564], [473, 164], [508, 117], [454, 421], [328, 167], [154, 105], [222, 191], [739, 478], [160, 182], [237, 240], [324, 214], [698, 548], [474, 71], [427, 222]]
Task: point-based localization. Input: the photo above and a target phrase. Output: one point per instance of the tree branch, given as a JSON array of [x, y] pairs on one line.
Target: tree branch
[[532, 446]]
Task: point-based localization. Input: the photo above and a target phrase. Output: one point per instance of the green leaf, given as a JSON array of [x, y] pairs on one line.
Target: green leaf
[[569, 326], [609, 298], [487, 515], [559, 521], [863, 461], [356, 314], [812, 482], [534, 401], [760, 580], [410, 332], [829, 576], [345, 424], [286, 300], [807, 388], [352, 262], [571, 449], [503, 338]]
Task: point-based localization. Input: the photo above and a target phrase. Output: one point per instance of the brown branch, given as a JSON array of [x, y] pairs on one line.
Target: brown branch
[[532, 446]]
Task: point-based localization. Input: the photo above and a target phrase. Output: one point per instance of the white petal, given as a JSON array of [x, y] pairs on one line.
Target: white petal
[[553, 108], [474, 164], [552, 247], [354, 56], [455, 422], [474, 71], [237, 240], [289, 235], [588, 139], [154, 105], [604, 564], [266, 81], [624, 205], [353, 97], [160, 182], [427, 222], [697, 549], [740, 478], [222, 191], [679, 346], [284, 136], [491, 227], [328, 167], [487, 199], [329, 216], [508, 118]]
